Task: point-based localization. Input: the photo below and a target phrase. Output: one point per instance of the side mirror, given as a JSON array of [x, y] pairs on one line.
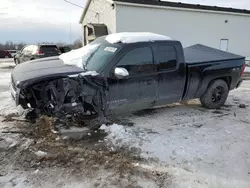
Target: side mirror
[[121, 73]]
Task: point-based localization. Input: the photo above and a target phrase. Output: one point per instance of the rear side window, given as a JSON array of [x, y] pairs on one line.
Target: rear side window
[[49, 49], [167, 57], [137, 61]]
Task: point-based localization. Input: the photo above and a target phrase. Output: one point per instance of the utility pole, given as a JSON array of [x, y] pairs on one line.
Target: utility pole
[[70, 33]]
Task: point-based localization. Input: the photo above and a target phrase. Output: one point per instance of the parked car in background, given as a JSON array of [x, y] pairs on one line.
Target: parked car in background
[[16, 56], [5, 54], [12, 52], [31, 52], [65, 49]]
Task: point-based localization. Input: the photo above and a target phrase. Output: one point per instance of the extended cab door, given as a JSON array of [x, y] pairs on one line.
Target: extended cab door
[[138, 90], [171, 73]]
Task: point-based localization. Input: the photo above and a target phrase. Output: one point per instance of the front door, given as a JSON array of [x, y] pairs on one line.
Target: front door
[[138, 91], [171, 74]]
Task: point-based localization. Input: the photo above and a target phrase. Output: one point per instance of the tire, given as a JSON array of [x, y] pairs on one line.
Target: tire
[[18, 61], [215, 95], [15, 61], [6, 56]]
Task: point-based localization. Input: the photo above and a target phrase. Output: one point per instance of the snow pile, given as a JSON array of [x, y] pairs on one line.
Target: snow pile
[[133, 37], [121, 136], [41, 153], [80, 56]]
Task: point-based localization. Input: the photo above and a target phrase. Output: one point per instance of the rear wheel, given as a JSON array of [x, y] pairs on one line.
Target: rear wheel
[[6, 56], [216, 94]]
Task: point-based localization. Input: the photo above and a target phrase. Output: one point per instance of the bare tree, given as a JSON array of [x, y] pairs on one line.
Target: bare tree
[[9, 45]]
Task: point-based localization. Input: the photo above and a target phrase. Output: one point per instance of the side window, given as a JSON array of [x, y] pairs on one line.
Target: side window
[[167, 57], [138, 60]]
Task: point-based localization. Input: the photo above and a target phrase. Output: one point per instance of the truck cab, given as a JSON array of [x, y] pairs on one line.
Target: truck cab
[[155, 74]]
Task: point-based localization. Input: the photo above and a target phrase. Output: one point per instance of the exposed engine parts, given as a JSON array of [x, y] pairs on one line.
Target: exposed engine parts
[[68, 96]]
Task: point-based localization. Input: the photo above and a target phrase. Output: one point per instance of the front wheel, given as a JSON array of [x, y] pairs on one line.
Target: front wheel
[[216, 95]]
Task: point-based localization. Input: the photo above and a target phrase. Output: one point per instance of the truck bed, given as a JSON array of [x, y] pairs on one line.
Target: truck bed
[[204, 64], [200, 54]]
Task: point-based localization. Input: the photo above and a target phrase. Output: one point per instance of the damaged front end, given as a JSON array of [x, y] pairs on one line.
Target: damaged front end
[[67, 97]]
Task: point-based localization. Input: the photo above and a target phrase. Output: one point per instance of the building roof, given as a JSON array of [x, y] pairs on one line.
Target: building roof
[[185, 5], [174, 5]]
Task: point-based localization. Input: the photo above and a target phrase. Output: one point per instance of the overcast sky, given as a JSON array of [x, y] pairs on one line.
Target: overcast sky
[[49, 20]]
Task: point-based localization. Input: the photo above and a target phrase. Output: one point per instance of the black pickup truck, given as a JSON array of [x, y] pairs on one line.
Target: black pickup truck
[[120, 77]]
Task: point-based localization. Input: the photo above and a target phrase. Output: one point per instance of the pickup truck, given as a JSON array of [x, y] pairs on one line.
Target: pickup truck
[[126, 72]]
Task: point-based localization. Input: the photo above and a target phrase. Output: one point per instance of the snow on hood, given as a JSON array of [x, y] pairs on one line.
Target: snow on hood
[[88, 73], [80, 56], [133, 37]]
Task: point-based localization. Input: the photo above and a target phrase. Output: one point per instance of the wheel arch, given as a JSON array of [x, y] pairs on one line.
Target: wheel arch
[[207, 82]]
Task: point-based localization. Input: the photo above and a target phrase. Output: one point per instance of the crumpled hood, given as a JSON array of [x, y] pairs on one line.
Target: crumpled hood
[[45, 68]]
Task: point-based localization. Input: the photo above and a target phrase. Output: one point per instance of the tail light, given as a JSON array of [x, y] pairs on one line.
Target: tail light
[[242, 70], [58, 50], [39, 53]]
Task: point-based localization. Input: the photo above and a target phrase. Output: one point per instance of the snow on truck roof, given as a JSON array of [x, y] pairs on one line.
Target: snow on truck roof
[[80, 56], [134, 37]]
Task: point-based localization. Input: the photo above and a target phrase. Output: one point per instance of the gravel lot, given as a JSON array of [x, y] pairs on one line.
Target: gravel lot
[[178, 146]]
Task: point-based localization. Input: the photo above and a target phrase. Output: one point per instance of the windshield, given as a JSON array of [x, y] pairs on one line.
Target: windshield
[[100, 57]]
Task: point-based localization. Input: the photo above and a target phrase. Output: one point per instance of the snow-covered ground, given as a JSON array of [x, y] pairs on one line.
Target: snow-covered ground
[[198, 147], [179, 146], [7, 106], [247, 69]]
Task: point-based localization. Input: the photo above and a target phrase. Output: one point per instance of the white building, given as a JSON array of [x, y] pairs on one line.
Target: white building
[[223, 28]]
